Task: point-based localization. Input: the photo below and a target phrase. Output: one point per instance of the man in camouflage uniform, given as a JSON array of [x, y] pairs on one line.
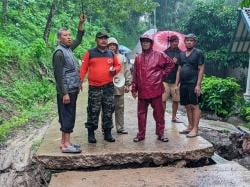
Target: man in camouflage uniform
[[101, 65]]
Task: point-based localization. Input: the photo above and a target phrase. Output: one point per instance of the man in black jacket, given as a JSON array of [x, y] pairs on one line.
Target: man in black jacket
[[169, 83], [67, 78]]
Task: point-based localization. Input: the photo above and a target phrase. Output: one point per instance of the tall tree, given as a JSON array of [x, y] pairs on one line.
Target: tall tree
[[48, 26], [214, 24], [5, 11], [171, 12]]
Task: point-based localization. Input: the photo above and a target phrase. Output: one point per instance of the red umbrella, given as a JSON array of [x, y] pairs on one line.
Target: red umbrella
[[161, 40]]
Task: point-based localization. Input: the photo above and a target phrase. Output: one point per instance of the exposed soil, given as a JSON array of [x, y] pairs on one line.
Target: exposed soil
[[227, 143], [16, 165]]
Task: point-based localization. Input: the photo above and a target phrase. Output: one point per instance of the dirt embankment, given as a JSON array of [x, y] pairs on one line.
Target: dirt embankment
[[16, 165]]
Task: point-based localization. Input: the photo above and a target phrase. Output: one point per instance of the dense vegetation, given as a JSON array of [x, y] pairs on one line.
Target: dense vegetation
[[220, 95], [214, 23], [245, 3], [28, 36]]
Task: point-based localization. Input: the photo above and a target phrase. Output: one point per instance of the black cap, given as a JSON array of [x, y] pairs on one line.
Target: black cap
[[101, 34]]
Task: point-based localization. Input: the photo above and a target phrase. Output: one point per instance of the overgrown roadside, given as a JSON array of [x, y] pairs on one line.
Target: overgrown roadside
[[27, 96], [26, 112]]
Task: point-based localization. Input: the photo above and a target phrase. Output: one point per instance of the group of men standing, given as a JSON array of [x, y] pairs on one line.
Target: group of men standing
[[156, 75]]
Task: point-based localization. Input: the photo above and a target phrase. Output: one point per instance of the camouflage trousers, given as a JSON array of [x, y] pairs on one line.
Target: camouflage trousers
[[100, 98]]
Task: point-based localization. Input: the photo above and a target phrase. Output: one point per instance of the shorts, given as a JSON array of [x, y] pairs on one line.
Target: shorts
[[67, 112], [170, 91], [188, 96]]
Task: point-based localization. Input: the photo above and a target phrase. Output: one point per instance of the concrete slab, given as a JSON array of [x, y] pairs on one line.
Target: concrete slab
[[210, 124], [221, 175], [124, 150]]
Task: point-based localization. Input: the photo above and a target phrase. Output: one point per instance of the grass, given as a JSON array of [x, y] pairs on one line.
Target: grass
[[247, 125], [37, 114], [225, 131], [27, 98], [36, 144]]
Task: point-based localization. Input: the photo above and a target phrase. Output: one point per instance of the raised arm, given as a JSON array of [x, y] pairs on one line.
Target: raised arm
[[80, 33]]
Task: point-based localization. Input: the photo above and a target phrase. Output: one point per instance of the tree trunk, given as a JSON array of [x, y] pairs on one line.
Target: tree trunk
[[5, 11], [52, 13]]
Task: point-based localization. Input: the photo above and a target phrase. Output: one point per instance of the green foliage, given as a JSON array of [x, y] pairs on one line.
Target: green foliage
[[245, 3], [247, 125], [224, 59], [36, 144], [219, 95], [28, 93], [214, 22], [6, 128], [27, 19], [88, 40], [38, 48], [36, 114], [216, 26], [171, 14], [25, 59], [245, 111], [9, 50], [1, 120]]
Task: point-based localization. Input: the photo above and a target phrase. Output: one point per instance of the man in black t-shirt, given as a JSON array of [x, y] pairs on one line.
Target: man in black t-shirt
[[169, 83], [188, 80]]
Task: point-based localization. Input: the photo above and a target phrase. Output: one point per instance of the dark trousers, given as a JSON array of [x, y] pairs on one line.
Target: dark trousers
[[158, 113], [100, 97], [67, 112]]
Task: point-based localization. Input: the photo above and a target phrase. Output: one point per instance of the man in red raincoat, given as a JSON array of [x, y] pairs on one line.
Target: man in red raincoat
[[150, 68]]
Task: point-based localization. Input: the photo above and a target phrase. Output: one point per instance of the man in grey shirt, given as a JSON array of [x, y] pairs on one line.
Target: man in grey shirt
[[66, 73]]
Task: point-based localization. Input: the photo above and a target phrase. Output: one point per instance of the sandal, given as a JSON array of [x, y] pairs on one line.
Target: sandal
[[176, 120], [71, 149], [137, 139], [163, 139], [78, 146], [192, 135], [186, 131]]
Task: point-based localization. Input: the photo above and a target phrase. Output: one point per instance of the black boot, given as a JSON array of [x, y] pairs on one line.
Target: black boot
[[91, 136], [108, 136]]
